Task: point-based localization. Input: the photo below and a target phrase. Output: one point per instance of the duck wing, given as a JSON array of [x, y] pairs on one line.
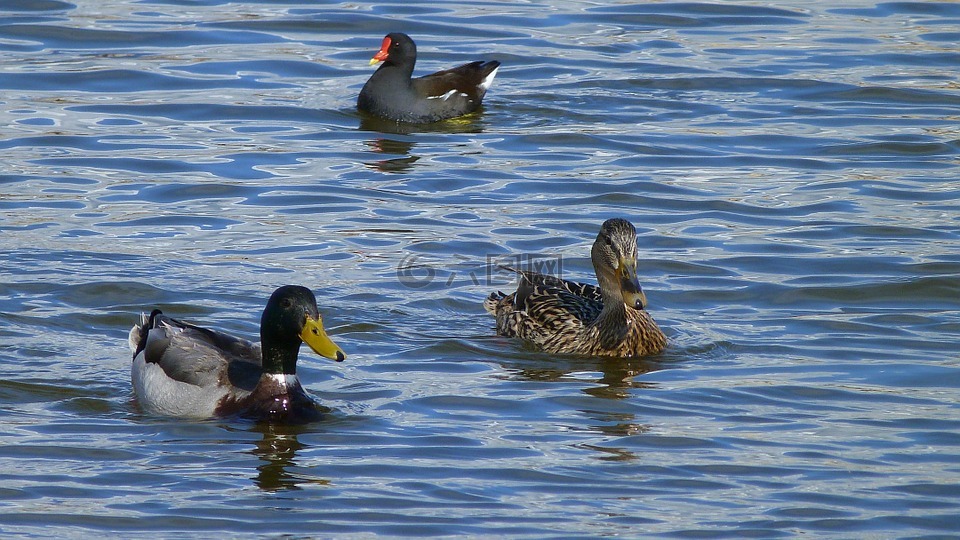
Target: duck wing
[[199, 356], [548, 311], [467, 82], [553, 283], [555, 303]]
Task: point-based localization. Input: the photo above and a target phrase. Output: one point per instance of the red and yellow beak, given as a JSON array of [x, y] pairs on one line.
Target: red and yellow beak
[[383, 53]]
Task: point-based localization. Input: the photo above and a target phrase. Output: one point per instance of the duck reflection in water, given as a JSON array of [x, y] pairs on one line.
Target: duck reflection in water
[[395, 147], [278, 449], [615, 382], [471, 123], [401, 145], [616, 374]]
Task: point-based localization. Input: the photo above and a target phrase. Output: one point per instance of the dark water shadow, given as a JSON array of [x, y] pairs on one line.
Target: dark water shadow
[[616, 374], [469, 123], [278, 451], [401, 143], [616, 383], [383, 145]]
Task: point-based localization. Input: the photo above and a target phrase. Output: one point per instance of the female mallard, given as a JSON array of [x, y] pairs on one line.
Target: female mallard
[[184, 370], [562, 316]]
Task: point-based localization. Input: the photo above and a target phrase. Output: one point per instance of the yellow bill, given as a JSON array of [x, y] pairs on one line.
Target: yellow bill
[[316, 338]]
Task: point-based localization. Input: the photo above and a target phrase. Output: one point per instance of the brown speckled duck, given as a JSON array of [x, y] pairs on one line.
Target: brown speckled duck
[[184, 370], [560, 316]]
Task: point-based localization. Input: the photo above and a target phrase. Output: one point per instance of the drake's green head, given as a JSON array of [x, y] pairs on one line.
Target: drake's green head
[[291, 318]]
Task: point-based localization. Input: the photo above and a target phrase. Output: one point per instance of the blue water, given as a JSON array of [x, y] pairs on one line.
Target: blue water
[[792, 170]]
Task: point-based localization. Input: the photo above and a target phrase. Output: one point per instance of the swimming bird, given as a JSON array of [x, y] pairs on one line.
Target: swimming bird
[[560, 316], [184, 370], [392, 93]]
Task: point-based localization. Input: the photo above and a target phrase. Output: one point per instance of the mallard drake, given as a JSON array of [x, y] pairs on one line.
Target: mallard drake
[[560, 316], [393, 93], [184, 370]]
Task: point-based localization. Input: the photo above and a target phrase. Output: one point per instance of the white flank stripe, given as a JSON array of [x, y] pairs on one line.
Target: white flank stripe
[[445, 96]]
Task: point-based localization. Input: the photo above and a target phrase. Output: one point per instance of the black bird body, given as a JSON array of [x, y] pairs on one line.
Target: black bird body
[[393, 93]]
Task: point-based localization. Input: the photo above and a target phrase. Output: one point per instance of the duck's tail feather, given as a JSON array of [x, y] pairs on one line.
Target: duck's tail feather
[[137, 339], [491, 302]]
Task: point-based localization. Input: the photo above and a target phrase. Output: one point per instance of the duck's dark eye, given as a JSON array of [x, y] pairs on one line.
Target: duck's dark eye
[[286, 303], [607, 240]]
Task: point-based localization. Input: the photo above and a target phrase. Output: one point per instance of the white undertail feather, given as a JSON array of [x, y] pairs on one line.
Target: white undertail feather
[[488, 80]]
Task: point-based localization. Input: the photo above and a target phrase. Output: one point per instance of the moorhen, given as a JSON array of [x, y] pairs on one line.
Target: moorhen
[[392, 93]]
